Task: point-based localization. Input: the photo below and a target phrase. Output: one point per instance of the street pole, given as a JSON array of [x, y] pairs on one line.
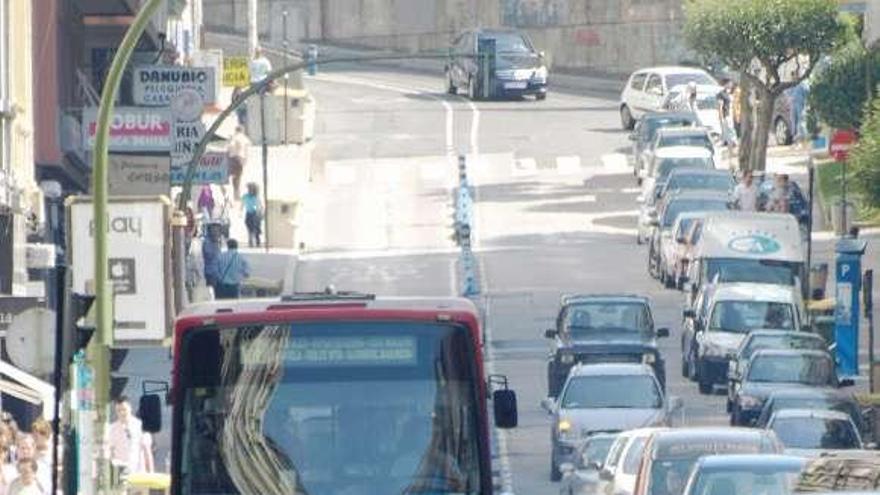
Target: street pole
[[843, 201], [284, 43], [99, 347], [265, 168], [253, 35], [811, 170], [868, 300]]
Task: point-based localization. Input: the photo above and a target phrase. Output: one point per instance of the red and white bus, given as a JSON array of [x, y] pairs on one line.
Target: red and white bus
[[331, 394]]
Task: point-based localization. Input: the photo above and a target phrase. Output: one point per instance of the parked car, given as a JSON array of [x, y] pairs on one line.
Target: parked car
[[773, 369], [647, 211], [769, 339], [592, 328], [582, 477], [706, 103], [646, 128], [670, 455], [807, 432], [618, 477], [814, 398], [688, 179], [674, 136], [721, 318], [646, 88], [672, 251], [519, 68], [733, 474], [663, 160], [604, 398], [672, 206]]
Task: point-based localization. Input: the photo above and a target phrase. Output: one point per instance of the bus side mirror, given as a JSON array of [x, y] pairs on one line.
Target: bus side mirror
[[504, 405], [550, 333], [150, 412]]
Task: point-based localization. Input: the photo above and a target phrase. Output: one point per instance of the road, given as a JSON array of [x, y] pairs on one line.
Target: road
[[555, 213]]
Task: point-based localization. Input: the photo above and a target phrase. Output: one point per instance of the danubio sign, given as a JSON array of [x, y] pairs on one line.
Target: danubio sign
[[157, 85]]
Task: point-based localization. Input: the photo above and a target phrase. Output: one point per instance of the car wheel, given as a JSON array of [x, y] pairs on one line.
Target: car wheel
[[540, 96], [626, 118], [450, 85], [552, 382], [781, 132], [735, 416], [668, 280], [638, 237], [704, 383], [472, 89], [555, 473], [684, 367]]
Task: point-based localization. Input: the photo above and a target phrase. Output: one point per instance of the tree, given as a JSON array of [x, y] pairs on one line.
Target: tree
[[865, 157], [770, 35]]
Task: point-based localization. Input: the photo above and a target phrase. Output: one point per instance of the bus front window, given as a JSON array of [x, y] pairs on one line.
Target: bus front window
[[330, 408]]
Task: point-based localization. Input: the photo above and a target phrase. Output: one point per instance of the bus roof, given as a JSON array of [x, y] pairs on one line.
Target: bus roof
[[736, 234]]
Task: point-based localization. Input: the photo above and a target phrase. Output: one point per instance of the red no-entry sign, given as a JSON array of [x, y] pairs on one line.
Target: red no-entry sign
[[841, 142]]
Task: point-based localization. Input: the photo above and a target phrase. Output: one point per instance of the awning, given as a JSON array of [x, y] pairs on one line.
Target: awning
[[24, 386]]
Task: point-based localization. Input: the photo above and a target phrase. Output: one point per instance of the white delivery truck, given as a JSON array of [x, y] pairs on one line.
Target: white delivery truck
[[754, 247]]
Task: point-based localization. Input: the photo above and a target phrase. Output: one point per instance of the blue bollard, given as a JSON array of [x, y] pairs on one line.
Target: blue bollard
[[312, 58]]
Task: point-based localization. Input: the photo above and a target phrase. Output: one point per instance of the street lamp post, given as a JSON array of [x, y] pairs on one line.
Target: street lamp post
[[99, 347]]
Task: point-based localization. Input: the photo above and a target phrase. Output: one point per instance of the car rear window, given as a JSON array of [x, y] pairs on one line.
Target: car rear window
[[697, 77], [638, 81]]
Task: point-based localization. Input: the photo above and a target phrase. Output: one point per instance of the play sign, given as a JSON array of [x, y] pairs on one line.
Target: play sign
[[841, 142]]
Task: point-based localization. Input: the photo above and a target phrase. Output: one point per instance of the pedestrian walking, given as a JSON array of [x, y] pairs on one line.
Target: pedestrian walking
[[798, 105], [206, 202], [260, 66], [210, 253], [253, 214], [778, 199], [232, 269], [27, 483], [737, 110], [241, 109], [745, 194], [237, 150], [725, 115], [126, 443]]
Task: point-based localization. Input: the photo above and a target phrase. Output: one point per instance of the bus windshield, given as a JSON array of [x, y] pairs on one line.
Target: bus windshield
[[752, 270], [325, 408]]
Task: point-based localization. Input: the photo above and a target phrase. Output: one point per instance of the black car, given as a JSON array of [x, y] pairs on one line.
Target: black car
[[770, 339], [600, 328], [770, 370], [517, 68], [646, 128], [810, 398]]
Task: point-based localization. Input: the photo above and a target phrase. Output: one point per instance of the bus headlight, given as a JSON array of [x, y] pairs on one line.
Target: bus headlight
[[649, 358], [540, 73], [566, 358]]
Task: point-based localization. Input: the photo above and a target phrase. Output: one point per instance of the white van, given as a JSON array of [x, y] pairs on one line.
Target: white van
[[751, 247]]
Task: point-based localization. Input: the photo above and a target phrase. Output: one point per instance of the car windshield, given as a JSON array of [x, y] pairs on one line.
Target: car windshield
[[770, 479], [329, 407], [612, 391], [789, 341], [660, 123], [667, 165], [678, 206], [805, 369], [715, 182], [669, 477], [750, 270], [511, 43], [596, 450], [742, 316], [701, 140], [608, 320], [684, 225], [815, 433], [700, 78]]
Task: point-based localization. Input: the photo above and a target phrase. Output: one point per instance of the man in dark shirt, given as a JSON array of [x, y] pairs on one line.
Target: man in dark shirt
[[725, 115]]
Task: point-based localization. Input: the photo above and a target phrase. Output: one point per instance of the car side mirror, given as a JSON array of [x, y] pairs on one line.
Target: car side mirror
[[504, 407], [150, 412], [662, 332], [595, 465], [689, 313], [542, 54], [846, 382], [548, 404], [550, 333], [606, 474]]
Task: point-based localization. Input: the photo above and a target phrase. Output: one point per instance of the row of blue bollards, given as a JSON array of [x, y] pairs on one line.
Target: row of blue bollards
[[464, 210]]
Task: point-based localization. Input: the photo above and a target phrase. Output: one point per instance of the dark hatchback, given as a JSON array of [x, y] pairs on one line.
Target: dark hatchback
[[810, 398], [770, 370], [603, 328], [519, 69], [646, 128]]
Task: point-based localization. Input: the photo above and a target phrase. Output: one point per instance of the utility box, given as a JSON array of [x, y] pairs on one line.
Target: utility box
[[295, 126], [283, 224], [848, 274]]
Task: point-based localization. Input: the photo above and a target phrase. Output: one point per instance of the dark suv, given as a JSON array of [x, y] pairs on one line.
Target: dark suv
[[517, 69], [603, 328]]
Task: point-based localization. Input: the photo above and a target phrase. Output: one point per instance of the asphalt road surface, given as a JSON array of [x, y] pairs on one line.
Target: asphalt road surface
[[555, 213]]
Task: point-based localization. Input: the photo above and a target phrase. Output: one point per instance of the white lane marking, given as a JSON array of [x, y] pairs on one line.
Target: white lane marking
[[631, 190], [475, 128], [615, 164], [523, 167], [568, 165]]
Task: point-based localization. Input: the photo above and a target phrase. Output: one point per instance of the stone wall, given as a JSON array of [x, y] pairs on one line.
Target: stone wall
[[613, 36]]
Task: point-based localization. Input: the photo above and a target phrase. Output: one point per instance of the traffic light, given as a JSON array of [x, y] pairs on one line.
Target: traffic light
[[79, 325]]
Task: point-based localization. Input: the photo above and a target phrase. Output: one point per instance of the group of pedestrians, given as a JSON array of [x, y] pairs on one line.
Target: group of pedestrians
[[26, 458], [747, 197]]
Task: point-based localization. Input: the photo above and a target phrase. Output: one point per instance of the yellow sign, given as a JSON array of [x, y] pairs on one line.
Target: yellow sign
[[236, 72]]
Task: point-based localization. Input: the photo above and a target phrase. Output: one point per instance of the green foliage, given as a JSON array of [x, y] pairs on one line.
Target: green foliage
[[865, 157], [769, 31], [838, 93]]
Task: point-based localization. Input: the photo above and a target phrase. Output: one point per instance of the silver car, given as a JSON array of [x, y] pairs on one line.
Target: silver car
[[604, 398]]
